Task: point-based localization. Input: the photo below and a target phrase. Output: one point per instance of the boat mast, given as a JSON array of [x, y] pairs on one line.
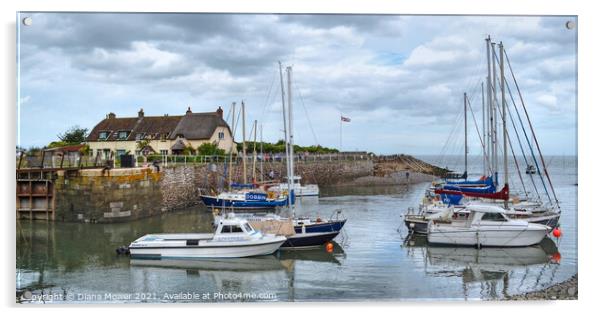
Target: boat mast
[[285, 132], [231, 150], [489, 114], [261, 151], [483, 128], [254, 150], [504, 120], [465, 140], [494, 109], [244, 145], [291, 175]]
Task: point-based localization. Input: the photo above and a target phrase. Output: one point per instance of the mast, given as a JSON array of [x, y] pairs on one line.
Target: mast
[[291, 175], [465, 140], [483, 128], [504, 119], [254, 149], [494, 110], [285, 131], [489, 114], [230, 167], [261, 151], [244, 145]]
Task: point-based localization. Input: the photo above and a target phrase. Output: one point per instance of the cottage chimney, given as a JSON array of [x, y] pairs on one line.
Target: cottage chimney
[[188, 112], [220, 112], [111, 115], [141, 113]]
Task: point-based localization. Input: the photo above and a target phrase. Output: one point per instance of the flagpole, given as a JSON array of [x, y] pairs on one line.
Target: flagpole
[[341, 134]]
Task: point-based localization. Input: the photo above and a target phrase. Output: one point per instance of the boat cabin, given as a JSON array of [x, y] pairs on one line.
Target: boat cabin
[[234, 228], [486, 215]]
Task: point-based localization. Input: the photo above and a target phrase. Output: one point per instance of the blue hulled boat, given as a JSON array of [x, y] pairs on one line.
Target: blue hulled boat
[[252, 200]]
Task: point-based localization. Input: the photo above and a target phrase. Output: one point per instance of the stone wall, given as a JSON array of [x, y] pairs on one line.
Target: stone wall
[[115, 195], [107, 196]]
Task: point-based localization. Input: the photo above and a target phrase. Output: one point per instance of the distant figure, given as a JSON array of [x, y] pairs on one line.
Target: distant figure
[[271, 174]]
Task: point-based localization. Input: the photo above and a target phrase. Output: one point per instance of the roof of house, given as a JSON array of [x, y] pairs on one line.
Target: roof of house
[[190, 126]]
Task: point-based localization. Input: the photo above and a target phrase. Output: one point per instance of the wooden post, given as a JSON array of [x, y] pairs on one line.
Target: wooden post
[[42, 162]]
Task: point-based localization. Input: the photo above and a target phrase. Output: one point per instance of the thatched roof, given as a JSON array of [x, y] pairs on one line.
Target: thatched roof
[[192, 126]]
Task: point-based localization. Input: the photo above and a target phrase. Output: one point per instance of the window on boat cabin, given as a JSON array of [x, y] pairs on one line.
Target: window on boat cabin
[[495, 217], [248, 227], [231, 229]]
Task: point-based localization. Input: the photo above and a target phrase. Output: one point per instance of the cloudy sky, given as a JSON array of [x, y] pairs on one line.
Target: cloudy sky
[[399, 78]]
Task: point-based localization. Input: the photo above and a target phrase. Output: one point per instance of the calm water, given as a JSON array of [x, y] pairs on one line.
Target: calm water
[[372, 260]]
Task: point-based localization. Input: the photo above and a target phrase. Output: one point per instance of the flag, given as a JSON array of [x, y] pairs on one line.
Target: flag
[[345, 119]]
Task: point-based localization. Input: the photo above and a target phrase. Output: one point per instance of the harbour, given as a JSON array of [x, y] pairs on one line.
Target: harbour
[[371, 259], [293, 176]]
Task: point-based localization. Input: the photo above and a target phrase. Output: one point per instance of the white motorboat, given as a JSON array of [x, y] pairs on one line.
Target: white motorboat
[[487, 225], [233, 238], [300, 190]]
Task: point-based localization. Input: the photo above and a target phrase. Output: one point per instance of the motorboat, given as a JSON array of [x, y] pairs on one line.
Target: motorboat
[[533, 213], [233, 238], [487, 225], [300, 190], [307, 232]]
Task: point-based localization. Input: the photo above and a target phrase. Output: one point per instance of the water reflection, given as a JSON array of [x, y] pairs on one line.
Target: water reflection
[[489, 269]]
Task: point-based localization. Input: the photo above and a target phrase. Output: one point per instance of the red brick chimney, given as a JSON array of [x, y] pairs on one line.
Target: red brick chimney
[[188, 112], [220, 112], [141, 113]]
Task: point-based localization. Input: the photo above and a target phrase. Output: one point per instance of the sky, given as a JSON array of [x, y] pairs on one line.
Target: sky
[[400, 79]]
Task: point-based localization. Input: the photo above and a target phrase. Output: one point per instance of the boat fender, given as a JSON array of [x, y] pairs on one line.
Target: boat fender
[[122, 250]]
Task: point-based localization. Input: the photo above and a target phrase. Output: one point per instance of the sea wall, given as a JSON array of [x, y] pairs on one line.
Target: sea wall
[[103, 196]]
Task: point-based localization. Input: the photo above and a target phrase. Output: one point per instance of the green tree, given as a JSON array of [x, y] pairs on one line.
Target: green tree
[[74, 136], [209, 149]]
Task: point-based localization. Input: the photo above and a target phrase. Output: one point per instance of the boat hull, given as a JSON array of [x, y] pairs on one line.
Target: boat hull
[[325, 227], [218, 250], [485, 237], [214, 202], [416, 224], [308, 240]]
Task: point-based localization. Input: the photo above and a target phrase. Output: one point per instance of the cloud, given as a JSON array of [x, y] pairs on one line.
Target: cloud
[[382, 69]]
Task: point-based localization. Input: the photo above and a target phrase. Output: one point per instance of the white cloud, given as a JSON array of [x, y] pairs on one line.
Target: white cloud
[[377, 68]]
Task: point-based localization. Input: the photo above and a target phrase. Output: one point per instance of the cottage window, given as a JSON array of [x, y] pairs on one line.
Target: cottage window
[[120, 152], [220, 135], [164, 152], [139, 136], [103, 135], [122, 135]]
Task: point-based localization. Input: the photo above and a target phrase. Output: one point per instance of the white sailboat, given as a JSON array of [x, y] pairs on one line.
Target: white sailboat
[[300, 190], [233, 238]]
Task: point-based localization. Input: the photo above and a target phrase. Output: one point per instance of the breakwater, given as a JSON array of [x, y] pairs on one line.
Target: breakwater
[[123, 194]]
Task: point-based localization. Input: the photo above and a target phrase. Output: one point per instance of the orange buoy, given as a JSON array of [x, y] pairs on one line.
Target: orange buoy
[[557, 232], [556, 257], [329, 247]]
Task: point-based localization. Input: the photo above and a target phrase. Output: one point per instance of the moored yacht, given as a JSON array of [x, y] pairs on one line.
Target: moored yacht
[[487, 225], [300, 190]]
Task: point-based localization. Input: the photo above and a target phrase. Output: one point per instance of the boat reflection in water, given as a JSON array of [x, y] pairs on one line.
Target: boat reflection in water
[[316, 254], [272, 276], [488, 270], [261, 278]]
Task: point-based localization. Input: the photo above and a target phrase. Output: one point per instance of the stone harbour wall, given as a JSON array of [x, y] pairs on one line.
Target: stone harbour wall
[[107, 196], [104, 196]]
